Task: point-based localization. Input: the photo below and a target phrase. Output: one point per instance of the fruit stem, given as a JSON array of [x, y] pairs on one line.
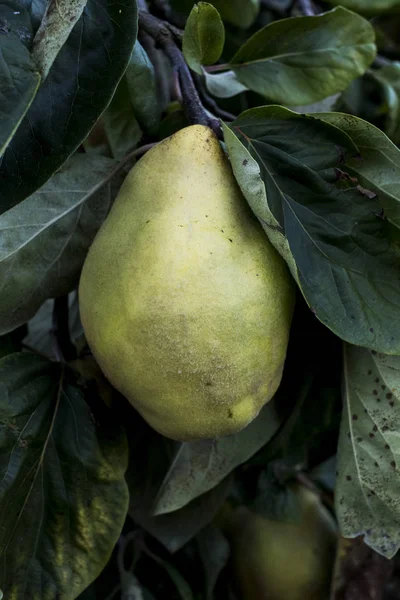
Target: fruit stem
[[165, 38]]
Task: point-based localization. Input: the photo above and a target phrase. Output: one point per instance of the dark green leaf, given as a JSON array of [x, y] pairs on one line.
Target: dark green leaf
[[44, 240], [200, 466], [63, 497], [389, 78], [19, 78], [12, 342], [204, 36], [368, 478], [327, 227], [377, 167], [79, 87], [301, 60]]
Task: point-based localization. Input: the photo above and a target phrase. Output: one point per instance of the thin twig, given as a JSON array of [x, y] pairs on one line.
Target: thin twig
[[307, 8], [209, 102], [57, 23], [192, 104]]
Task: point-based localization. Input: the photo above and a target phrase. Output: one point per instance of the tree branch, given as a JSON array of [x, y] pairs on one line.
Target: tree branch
[[164, 38]]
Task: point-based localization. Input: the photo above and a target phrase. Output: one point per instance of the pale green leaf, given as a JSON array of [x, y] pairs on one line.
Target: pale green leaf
[[368, 472], [142, 88], [369, 7]]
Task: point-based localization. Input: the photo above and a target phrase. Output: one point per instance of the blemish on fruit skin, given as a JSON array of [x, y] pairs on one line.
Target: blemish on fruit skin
[[230, 414]]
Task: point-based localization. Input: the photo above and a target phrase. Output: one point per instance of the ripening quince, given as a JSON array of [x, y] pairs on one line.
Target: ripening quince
[[279, 560], [185, 303]]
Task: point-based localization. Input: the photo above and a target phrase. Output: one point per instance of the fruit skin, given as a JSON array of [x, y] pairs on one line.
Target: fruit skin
[[277, 560], [185, 303]]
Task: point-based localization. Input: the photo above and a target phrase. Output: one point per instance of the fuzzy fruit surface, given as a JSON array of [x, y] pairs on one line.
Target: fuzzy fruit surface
[[276, 560], [185, 303]]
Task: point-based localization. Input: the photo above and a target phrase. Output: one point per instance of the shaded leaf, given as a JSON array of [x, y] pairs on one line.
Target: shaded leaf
[[181, 585], [19, 78], [204, 36], [44, 240], [142, 87], [378, 165], [120, 123], [199, 466], [63, 497], [369, 7], [368, 477], [300, 60], [79, 86], [214, 550], [389, 78], [12, 342], [241, 13], [175, 529], [327, 229]]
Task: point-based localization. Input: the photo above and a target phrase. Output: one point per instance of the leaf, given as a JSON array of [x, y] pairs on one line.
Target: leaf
[[19, 78], [377, 167], [203, 37], [214, 550], [301, 60], [389, 79], [175, 529], [224, 85], [199, 466], [12, 342], [142, 87], [241, 13], [329, 231], [181, 585], [44, 240], [121, 126], [368, 477], [369, 7], [80, 85], [63, 497]]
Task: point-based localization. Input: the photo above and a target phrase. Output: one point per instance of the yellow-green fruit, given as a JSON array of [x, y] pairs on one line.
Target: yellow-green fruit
[[276, 560], [185, 303]]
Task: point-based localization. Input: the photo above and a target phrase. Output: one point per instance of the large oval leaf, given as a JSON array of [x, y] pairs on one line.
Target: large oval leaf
[[300, 60], [63, 496], [79, 86], [327, 227], [44, 239]]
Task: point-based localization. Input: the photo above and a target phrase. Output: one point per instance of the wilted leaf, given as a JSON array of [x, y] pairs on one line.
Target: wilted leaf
[[204, 36], [199, 466], [19, 78], [63, 497], [79, 86], [328, 230], [301, 60], [368, 478], [44, 239]]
